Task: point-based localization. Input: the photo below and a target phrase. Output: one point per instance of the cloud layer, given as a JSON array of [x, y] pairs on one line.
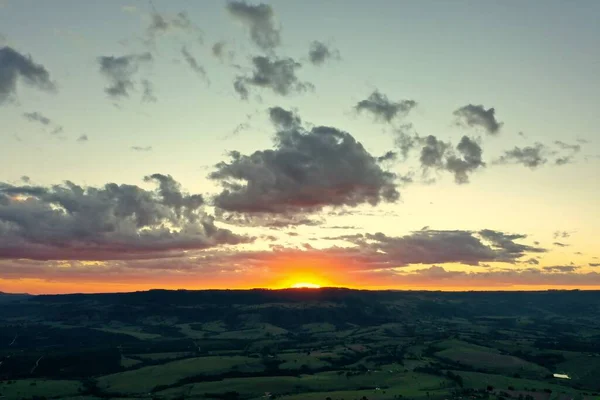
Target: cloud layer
[[114, 221], [16, 67]]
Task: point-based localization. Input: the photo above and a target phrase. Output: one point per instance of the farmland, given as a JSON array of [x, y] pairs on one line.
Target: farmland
[[301, 344]]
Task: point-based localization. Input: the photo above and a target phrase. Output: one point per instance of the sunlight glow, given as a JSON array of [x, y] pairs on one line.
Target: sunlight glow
[[305, 285]]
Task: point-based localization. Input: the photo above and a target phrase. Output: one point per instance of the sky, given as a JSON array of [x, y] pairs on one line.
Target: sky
[[414, 145]]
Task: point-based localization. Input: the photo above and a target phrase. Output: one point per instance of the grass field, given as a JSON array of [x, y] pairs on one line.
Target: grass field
[[143, 380], [28, 388]]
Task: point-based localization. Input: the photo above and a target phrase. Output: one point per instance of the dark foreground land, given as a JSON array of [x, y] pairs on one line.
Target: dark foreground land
[[301, 344]]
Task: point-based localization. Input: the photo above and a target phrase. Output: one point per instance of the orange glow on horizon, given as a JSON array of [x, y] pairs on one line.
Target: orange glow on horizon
[[305, 285]]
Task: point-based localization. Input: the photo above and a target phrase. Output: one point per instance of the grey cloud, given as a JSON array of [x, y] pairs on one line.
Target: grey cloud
[[406, 140], [259, 19], [120, 72], [279, 75], [148, 94], [318, 53], [388, 156], [561, 234], [565, 146], [16, 67], [218, 49], [477, 116], [25, 179], [83, 138], [193, 63], [382, 108], [559, 244], [433, 152], [532, 261], [594, 264], [162, 24], [57, 130], [529, 156], [470, 161], [561, 268], [438, 247], [507, 242], [37, 117], [306, 171], [71, 222], [284, 119], [141, 148]]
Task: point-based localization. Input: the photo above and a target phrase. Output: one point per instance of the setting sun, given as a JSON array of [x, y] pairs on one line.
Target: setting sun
[[305, 285]]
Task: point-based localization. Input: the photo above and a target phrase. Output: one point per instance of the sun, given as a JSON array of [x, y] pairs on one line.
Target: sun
[[305, 285]]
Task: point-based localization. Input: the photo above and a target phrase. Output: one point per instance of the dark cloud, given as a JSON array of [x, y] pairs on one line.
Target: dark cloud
[[507, 242], [573, 149], [71, 222], [260, 21], [141, 148], [561, 268], [594, 264], [383, 109], [25, 179], [306, 171], [284, 119], [529, 156], [433, 152], [16, 67], [532, 261], [120, 72], [37, 117], [470, 161], [193, 63], [477, 116], [148, 94], [319, 52], [388, 156], [57, 130], [559, 244], [438, 247], [218, 49], [279, 75], [83, 138]]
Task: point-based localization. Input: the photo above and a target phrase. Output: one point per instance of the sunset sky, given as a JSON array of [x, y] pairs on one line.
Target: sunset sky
[[378, 145]]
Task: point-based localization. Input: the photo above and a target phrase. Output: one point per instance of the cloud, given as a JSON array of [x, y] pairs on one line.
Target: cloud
[[561, 268], [529, 156], [318, 53], [433, 152], [148, 94], [559, 244], [594, 264], [532, 261], [477, 116], [37, 117], [161, 24], [284, 119], [16, 67], [437, 247], [561, 234], [388, 156], [383, 109], [405, 140], [470, 161], [83, 138], [110, 222], [259, 19], [141, 148], [306, 171], [279, 75], [193, 63], [565, 146], [218, 49], [120, 72]]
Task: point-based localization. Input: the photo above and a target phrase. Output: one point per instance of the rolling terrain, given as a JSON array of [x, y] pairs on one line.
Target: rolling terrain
[[301, 344]]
